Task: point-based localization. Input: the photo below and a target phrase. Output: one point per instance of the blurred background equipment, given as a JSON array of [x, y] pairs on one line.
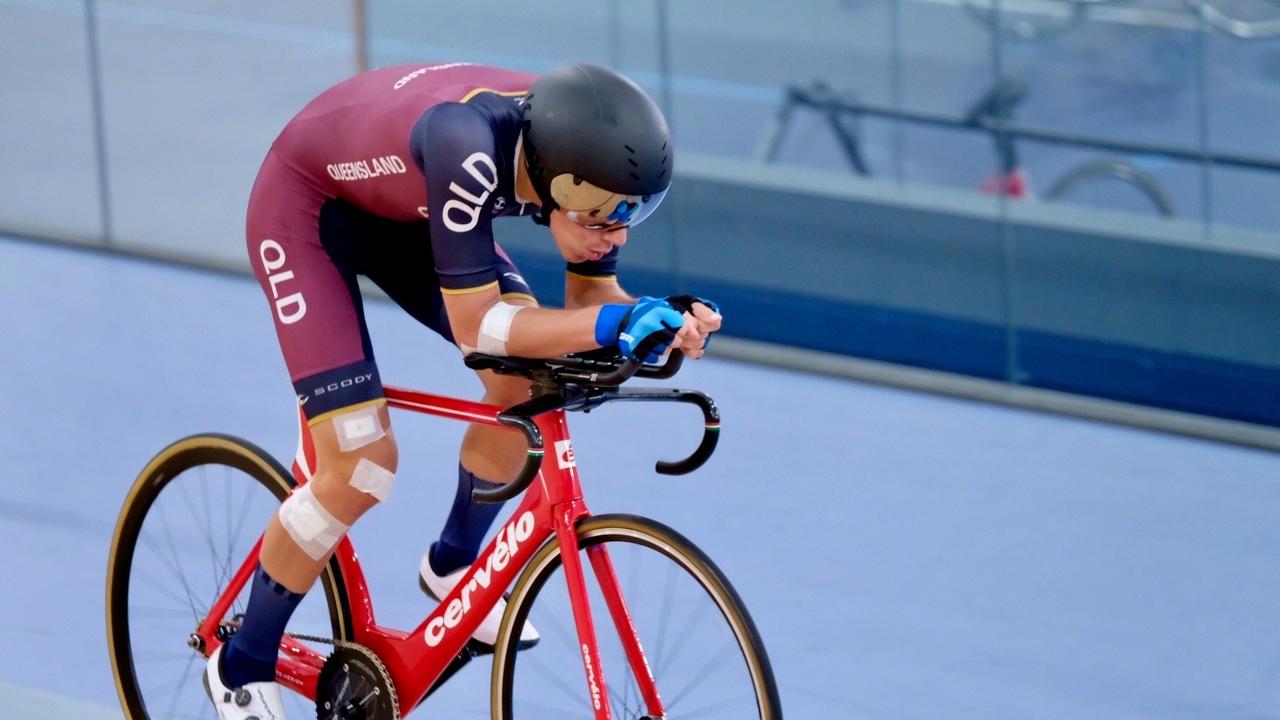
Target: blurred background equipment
[[1117, 244]]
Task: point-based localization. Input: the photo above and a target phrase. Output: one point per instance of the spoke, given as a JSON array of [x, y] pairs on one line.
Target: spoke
[[682, 637], [549, 619], [182, 577], [664, 616], [558, 682], [152, 611], [627, 710], [618, 704], [226, 514], [208, 523], [182, 681], [632, 597], [626, 689], [165, 589], [241, 516], [156, 547], [703, 672], [241, 520], [165, 655], [634, 691], [205, 531]]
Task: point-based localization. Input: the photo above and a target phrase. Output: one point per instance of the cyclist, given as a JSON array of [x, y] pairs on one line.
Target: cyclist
[[396, 174]]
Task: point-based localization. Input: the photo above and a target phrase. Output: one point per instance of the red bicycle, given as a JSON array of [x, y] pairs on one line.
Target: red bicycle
[[682, 643]]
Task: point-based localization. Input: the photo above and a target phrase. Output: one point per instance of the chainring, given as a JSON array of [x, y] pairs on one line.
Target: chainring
[[355, 685]]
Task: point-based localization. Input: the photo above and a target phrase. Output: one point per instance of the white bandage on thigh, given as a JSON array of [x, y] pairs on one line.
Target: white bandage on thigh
[[309, 524], [359, 428], [495, 328], [370, 477]]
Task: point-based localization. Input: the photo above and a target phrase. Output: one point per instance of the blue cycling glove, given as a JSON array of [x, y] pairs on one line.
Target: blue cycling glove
[[684, 303], [642, 331]]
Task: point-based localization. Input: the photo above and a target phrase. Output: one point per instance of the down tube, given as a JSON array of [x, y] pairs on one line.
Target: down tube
[[602, 564], [416, 660]]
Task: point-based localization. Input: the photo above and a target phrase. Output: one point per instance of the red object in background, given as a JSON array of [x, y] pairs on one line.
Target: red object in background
[[1013, 184]]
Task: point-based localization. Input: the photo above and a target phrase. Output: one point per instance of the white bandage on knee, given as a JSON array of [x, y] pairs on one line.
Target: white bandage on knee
[[309, 524], [359, 428], [495, 328], [370, 477]]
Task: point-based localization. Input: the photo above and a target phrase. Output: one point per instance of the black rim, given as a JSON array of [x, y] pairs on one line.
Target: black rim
[[723, 597], [196, 452]]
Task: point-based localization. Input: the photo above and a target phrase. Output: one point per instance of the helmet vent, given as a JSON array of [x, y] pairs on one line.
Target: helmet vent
[[578, 121]]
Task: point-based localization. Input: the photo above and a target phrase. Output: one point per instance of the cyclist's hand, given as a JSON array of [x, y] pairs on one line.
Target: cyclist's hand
[[702, 317], [642, 331]]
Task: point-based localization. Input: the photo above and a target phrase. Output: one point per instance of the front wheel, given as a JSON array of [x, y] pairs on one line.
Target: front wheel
[[702, 648]]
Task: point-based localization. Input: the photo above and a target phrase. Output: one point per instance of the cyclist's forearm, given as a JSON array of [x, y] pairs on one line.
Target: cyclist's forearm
[[540, 332]]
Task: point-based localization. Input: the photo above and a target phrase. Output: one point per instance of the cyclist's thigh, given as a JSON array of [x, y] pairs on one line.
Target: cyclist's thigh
[[313, 298]]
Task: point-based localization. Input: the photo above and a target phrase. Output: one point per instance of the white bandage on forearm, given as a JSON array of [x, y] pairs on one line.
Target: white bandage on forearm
[[359, 428], [311, 526], [495, 328], [370, 477]]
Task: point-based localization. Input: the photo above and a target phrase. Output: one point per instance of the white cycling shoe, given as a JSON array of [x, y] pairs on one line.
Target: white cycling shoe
[[255, 701], [438, 586]]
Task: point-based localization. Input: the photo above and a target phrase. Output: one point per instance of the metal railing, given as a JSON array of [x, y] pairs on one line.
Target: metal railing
[[993, 114]]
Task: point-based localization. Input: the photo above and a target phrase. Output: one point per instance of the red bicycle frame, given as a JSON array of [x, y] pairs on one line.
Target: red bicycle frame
[[552, 506]]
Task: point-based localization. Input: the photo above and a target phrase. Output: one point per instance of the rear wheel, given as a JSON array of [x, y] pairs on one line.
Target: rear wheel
[[705, 653], [190, 520]]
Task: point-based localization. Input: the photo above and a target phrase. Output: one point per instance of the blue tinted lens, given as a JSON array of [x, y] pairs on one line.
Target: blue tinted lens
[[639, 212]]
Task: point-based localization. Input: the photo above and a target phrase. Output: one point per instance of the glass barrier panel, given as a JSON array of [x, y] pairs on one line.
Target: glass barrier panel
[[195, 97], [47, 124]]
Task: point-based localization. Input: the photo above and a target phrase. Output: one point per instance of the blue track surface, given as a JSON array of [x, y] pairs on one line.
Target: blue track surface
[[905, 556]]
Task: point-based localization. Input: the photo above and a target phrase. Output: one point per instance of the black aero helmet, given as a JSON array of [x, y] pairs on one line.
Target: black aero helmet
[[595, 146]]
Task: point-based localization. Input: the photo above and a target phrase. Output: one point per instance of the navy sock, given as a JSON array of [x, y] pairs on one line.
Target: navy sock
[[251, 653], [466, 526]]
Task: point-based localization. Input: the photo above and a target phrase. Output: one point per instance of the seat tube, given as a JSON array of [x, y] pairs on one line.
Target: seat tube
[[602, 564], [597, 690]]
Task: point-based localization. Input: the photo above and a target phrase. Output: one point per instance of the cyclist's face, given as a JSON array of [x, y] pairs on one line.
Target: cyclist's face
[[578, 242]]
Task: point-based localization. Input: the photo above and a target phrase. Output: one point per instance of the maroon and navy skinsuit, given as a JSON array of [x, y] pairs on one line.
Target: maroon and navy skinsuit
[[395, 174]]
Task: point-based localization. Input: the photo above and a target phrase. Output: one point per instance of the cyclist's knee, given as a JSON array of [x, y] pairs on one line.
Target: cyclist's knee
[[356, 461], [358, 479], [345, 486]]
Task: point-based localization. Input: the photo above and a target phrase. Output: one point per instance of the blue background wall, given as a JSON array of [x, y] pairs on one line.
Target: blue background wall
[[141, 126]]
